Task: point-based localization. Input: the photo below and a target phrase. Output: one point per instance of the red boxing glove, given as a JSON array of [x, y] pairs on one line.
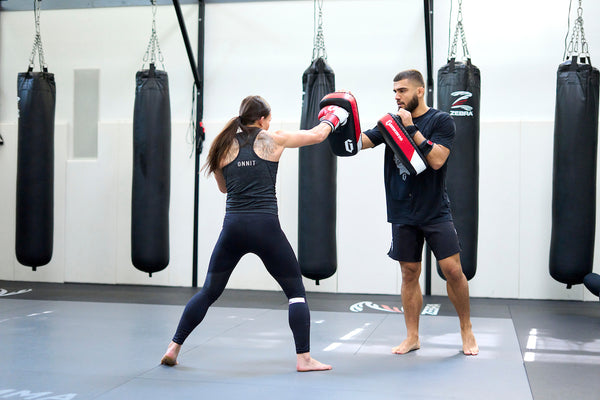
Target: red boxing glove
[[334, 116]]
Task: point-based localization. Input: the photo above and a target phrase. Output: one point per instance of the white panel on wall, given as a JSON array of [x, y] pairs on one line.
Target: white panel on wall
[[536, 144], [211, 206], [587, 294], [364, 235], [8, 201], [181, 212], [91, 218], [499, 183]]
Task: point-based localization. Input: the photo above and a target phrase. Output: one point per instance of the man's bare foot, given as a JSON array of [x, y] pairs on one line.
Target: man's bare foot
[[170, 357], [407, 346], [306, 363], [470, 347]]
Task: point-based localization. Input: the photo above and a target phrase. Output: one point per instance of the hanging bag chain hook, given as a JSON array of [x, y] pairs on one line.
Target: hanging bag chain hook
[[319, 38], [153, 47], [578, 46], [37, 42], [460, 30]]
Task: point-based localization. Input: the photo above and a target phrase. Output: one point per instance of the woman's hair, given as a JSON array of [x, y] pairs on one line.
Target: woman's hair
[[252, 109]]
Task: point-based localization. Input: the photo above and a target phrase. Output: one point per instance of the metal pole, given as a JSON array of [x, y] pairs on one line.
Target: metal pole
[[200, 136], [428, 4], [186, 40], [198, 72], [428, 8]]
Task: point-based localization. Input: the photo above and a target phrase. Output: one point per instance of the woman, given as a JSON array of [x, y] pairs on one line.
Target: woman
[[244, 159]]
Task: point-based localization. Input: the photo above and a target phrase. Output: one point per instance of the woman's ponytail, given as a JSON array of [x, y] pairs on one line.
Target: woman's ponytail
[[252, 109], [220, 146]]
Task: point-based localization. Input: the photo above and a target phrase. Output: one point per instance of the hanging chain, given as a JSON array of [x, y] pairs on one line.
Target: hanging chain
[[578, 46], [460, 30], [153, 45], [319, 39], [37, 42]]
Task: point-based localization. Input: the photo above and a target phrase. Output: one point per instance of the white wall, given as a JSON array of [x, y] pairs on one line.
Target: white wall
[[263, 48]]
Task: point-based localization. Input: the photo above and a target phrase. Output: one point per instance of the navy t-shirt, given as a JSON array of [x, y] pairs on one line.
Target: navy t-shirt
[[418, 199]]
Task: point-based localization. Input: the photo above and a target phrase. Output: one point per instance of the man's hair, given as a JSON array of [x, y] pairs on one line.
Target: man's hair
[[411, 74]]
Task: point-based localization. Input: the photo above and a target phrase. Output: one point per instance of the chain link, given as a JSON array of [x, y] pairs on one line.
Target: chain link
[[578, 45], [153, 48], [319, 38], [459, 31], [37, 42]]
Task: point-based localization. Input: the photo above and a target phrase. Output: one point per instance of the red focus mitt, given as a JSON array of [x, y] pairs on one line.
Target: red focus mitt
[[401, 143], [347, 139]]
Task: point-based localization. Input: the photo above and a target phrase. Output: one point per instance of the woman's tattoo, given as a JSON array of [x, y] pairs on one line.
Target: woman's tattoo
[[264, 146]]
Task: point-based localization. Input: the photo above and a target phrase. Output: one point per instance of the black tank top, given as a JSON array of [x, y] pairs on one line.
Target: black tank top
[[250, 179]]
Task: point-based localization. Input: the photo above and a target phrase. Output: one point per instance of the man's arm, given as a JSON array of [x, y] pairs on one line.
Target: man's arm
[[366, 142], [438, 155]]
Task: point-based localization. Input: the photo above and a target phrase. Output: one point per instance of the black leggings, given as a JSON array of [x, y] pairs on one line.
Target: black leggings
[[260, 234]]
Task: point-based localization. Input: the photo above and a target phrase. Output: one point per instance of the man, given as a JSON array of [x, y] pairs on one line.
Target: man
[[418, 209]]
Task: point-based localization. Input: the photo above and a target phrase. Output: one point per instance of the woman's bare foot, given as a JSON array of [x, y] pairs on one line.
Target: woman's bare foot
[[407, 346], [170, 357], [470, 347], [307, 363]]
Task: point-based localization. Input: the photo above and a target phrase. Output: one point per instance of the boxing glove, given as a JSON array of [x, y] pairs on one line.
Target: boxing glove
[[334, 116]]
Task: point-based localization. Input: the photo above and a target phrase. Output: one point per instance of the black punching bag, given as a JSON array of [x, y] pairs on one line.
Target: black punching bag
[[317, 253], [574, 172], [459, 88], [35, 168], [151, 171], [592, 283]]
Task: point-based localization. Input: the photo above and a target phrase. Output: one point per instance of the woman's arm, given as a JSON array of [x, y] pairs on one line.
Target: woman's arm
[[293, 139], [220, 180]]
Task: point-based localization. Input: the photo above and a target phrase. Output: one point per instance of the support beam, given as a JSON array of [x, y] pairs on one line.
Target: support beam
[[198, 72], [428, 11], [200, 136]]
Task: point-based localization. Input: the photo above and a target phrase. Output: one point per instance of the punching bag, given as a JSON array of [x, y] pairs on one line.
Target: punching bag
[[592, 283], [574, 172], [151, 171], [36, 104], [36, 93], [459, 87], [317, 252]]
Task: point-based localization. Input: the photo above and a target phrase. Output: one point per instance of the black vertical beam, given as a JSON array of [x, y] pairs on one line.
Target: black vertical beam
[[198, 72], [428, 8]]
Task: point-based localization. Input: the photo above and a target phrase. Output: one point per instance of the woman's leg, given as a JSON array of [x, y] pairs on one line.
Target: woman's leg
[[224, 258], [279, 259]]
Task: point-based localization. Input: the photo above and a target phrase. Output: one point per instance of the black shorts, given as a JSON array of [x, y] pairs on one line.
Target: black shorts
[[407, 241]]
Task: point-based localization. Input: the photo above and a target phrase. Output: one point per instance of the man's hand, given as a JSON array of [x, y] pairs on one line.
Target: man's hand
[[405, 116]]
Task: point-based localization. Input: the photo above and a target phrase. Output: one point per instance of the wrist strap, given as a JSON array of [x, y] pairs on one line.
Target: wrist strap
[[426, 146], [411, 130]]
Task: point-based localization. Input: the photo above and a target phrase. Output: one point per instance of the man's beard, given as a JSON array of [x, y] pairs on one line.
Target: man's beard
[[412, 104]]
